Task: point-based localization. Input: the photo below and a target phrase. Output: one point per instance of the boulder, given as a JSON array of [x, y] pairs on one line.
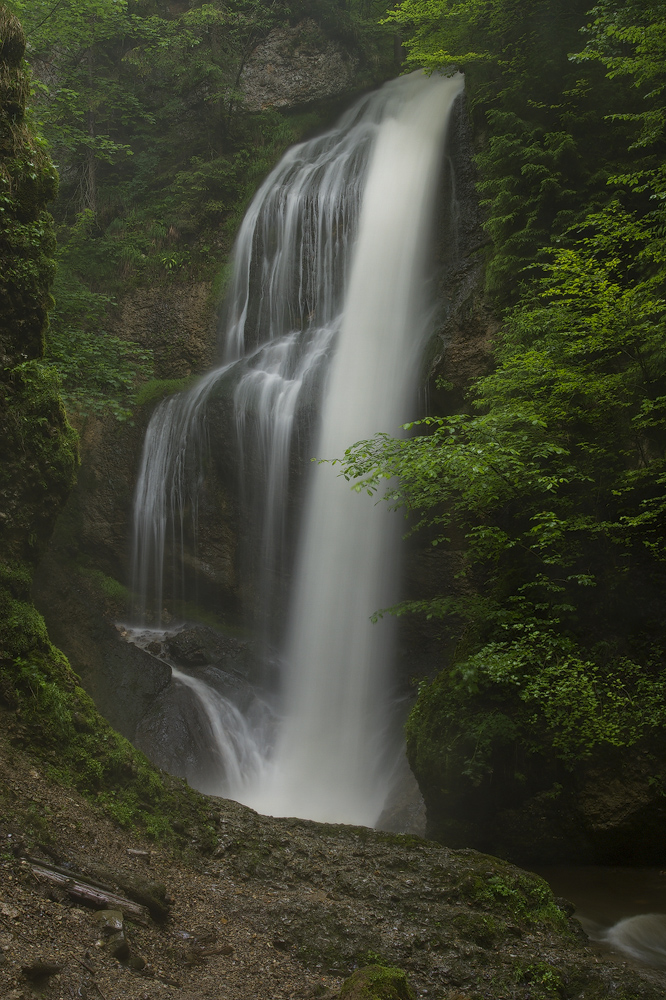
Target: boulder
[[524, 803], [296, 65], [201, 645], [376, 982]]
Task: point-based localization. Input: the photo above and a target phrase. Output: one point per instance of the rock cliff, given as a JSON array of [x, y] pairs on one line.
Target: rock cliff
[[297, 65]]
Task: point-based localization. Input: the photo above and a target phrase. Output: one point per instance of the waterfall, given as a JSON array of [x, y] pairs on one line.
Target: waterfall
[[329, 300]]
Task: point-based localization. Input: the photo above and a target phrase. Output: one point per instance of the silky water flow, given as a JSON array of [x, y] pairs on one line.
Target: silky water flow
[[328, 306]]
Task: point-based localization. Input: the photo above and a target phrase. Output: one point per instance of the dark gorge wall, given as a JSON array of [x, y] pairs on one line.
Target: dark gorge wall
[[41, 702], [608, 809], [38, 449], [486, 758], [82, 586], [43, 708]]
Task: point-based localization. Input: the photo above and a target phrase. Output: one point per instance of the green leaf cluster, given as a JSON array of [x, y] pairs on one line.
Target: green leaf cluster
[[543, 113]]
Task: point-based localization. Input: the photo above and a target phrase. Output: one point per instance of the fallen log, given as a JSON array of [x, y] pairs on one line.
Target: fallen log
[[67, 872], [81, 888]]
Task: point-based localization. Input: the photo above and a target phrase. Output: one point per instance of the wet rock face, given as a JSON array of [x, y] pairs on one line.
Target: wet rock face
[[296, 65], [209, 685], [176, 323], [174, 738], [200, 645], [126, 684], [90, 549], [175, 731], [124, 681]]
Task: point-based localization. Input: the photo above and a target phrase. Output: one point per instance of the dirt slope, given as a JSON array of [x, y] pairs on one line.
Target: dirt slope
[[281, 909]]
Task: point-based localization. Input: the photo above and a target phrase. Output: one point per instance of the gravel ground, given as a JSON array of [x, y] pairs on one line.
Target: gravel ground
[[281, 909], [213, 945]]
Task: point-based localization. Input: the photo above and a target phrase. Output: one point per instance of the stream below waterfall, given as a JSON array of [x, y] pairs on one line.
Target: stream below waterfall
[[622, 910]]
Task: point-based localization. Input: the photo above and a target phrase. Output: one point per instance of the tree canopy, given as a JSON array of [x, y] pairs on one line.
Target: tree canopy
[[141, 109]]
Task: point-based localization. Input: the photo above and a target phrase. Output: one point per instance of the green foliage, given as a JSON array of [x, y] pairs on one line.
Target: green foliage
[[27, 181], [97, 371], [544, 115], [555, 480], [544, 978], [556, 484], [142, 112], [158, 159], [629, 40], [80, 97], [146, 121], [23, 627], [373, 958], [38, 453], [38, 458], [157, 389]]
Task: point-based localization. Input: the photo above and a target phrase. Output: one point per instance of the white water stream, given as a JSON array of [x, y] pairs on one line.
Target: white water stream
[[331, 261], [330, 757]]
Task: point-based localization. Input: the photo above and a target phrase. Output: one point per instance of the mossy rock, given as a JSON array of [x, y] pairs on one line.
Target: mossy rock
[[61, 726], [488, 767], [376, 982], [12, 39]]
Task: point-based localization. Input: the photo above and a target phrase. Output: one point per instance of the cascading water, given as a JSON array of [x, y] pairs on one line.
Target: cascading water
[[330, 263]]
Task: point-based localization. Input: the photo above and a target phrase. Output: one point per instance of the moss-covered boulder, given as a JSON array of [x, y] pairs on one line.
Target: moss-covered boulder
[[375, 982], [497, 774]]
